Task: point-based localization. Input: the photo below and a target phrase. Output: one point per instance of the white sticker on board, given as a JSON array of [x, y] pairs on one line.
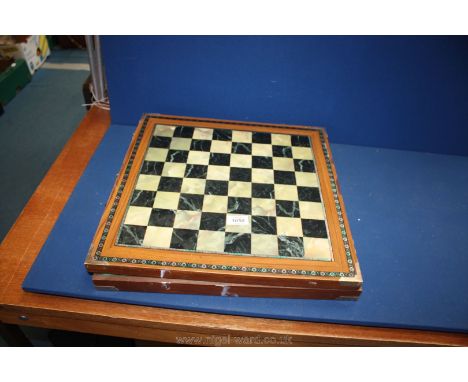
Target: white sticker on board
[[237, 220]]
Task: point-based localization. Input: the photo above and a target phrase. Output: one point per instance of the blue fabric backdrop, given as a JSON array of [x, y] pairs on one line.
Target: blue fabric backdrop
[[397, 92]]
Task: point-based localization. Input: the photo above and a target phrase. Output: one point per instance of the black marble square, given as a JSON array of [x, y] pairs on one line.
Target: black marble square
[[152, 168], [237, 243], [241, 174], [263, 191], [220, 159], [178, 156], [300, 141], [132, 234], [241, 148], [284, 177], [183, 132], [304, 165], [239, 205], [167, 183], [262, 162], [196, 171], [200, 145], [264, 225], [289, 246], [216, 187], [211, 221], [184, 239], [314, 228], [309, 194], [142, 198], [261, 137], [162, 218], [190, 202], [157, 141], [287, 208], [222, 135], [282, 151]]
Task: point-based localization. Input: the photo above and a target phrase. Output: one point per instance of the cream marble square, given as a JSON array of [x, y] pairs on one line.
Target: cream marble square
[[156, 154], [307, 179], [263, 207], [215, 203], [263, 175], [166, 200], [147, 182], [262, 150], [176, 170], [289, 226], [193, 186], [138, 215], [246, 228], [178, 143], [241, 160], [311, 210], [266, 245], [242, 189], [218, 172], [286, 192], [187, 219], [223, 147], [164, 130], [210, 241], [157, 237], [281, 139], [302, 153], [202, 133], [284, 164], [241, 136], [198, 157], [317, 249]]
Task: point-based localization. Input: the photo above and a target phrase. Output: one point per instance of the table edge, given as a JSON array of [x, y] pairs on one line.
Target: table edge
[[147, 323]]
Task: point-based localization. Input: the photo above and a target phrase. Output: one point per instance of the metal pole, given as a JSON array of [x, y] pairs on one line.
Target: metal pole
[[93, 45], [100, 75]]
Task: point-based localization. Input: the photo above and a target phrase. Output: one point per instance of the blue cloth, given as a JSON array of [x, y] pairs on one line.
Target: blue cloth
[[408, 214]]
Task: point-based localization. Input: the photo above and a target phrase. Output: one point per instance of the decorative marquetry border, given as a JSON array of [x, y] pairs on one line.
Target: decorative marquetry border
[[339, 210]]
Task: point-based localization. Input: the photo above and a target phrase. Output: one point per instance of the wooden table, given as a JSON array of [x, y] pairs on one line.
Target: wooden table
[[30, 231]]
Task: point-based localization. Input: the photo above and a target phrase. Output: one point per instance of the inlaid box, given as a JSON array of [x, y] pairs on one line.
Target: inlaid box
[[204, 203]]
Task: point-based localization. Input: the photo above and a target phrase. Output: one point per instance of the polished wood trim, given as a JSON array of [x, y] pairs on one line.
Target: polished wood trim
[[19, 248], [168, 325], [161, 285], [200, 275], [25, 239]]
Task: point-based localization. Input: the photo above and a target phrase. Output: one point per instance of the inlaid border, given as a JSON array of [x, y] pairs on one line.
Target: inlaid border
[[339, 210]]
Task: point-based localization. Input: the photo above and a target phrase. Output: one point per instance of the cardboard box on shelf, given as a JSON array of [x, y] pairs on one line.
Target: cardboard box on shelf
[[33, 49]]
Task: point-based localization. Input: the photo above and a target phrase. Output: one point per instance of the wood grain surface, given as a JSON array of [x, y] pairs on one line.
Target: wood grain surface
[[28, 234], [164, 285]]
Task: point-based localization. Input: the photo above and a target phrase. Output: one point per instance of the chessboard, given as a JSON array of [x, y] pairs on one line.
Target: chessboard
[[228, 191], [210, 201]]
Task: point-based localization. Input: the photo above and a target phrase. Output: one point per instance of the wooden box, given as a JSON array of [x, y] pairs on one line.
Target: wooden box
[[217, 207]]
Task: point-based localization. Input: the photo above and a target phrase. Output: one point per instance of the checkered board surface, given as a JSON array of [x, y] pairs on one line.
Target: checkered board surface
[[195, 183]]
